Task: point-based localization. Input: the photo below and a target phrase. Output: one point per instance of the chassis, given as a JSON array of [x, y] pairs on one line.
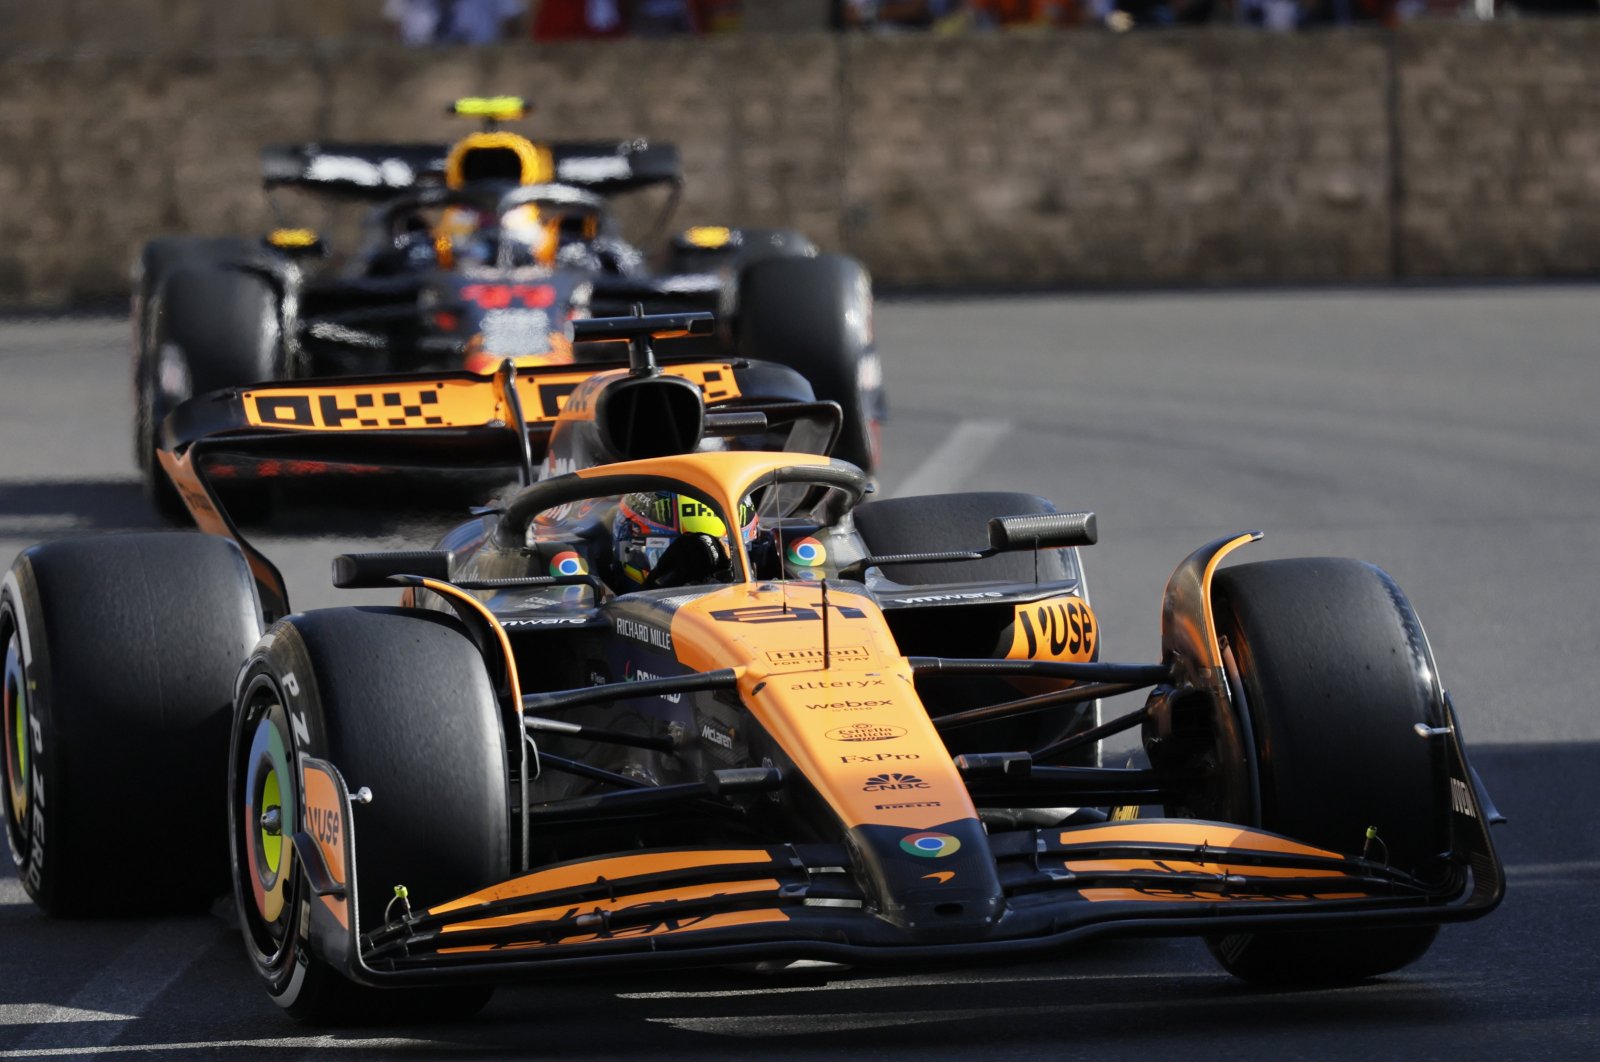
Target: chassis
[[880, 751]]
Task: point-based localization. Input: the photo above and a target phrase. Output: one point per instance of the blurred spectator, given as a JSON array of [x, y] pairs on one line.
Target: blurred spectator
[[659, 18], [424, 22], [479, 21], [416, 21], [1011, 14], [559, 20], [889, 14], [575, 19]]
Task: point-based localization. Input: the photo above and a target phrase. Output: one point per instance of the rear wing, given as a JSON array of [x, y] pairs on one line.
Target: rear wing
[[454, 420], [376, 171]]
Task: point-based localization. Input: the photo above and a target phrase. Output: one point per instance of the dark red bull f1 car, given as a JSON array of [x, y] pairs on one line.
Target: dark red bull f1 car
[[477, 251]]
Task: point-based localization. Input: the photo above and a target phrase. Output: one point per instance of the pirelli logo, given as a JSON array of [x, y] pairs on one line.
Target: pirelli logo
[[398, 408]]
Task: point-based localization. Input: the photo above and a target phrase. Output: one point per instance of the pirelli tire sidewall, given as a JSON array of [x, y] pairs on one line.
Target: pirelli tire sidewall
[[815, 314], [398, 701], [127, 646], [30, 789], [211, 324], [286, 962]]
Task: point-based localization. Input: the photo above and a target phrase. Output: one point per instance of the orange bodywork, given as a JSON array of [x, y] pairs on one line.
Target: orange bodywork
[[611, 868], [324, 811], [855, 728], [443, 403]]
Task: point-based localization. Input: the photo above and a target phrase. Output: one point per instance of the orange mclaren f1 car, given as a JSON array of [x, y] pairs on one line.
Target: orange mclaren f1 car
[[677, 702]]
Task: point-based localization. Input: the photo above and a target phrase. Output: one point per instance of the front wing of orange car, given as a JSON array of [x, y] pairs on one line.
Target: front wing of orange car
[[966, 894]]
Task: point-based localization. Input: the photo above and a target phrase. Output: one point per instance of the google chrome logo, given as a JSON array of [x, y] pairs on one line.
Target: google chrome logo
[[568, 563], [930, 845], [807, 553]]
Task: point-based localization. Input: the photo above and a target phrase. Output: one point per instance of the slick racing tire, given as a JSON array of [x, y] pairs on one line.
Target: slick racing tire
[[399, 701], [161, 256], [814, 315], [748, 247], [210, 326], [938, 523], [1336, 673], [120, 656]]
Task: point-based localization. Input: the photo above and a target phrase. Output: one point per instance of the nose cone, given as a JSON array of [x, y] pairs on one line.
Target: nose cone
[[938, 884]]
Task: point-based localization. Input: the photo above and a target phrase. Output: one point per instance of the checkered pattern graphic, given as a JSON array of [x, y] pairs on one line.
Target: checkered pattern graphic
[[711, 382], [400, 413]]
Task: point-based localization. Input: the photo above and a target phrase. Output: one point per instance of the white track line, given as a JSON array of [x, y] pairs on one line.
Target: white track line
[[944, 982], [796, 1024], [211, 1048], [126, 985], [1575, 868], [34, 1013], [12, 893], [960, 455]]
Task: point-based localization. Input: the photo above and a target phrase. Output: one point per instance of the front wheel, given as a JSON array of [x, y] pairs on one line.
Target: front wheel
[[400, 703], [1335, 674]]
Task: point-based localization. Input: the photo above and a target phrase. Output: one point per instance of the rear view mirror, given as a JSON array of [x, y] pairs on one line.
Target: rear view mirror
[[1047, 531]]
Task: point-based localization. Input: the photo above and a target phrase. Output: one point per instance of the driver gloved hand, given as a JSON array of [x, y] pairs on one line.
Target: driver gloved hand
[[695, 557]]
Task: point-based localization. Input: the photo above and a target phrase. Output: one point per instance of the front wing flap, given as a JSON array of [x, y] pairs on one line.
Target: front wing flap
[[697, 907]]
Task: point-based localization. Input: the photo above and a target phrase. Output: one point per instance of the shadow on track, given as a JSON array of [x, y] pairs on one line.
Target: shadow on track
[[37, 510], [50, 508]]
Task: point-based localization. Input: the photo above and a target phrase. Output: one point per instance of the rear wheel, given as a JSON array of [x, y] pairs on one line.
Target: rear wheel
[[1335, 673], [399, 701], [120, 656], [210, 326], [814, 314]]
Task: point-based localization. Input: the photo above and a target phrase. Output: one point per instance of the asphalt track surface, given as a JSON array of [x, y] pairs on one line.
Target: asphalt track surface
[[1448, 436]]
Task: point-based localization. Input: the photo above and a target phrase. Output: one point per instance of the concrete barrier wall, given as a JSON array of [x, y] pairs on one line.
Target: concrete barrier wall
[[1214, 156]]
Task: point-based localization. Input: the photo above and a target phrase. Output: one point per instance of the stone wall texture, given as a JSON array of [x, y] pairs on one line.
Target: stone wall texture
[[1213, 156]]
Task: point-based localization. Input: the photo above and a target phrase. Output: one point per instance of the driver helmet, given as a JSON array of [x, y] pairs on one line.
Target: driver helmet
[[650, 521], [464, 234], [529, 236]]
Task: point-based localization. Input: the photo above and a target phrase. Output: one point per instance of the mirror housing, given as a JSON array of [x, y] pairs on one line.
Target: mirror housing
[[1045, 531]]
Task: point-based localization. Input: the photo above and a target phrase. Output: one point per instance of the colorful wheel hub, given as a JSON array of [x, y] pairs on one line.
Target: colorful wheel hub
[[14, 718], [269, 818]]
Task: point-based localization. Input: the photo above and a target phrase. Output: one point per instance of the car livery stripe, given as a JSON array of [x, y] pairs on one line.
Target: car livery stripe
[[420, 402], [613, 869]]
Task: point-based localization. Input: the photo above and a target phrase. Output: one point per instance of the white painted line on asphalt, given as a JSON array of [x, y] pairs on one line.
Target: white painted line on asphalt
[[1577, 867], [892, 982], [125, 985], [35, 1013], [960, 455], [1554, 875], [210, 1048], [12, 893], [753, 1025]]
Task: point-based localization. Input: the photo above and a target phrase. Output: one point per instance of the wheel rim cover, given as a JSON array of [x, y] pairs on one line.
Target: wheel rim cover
[[15, 720], [270, 857]]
